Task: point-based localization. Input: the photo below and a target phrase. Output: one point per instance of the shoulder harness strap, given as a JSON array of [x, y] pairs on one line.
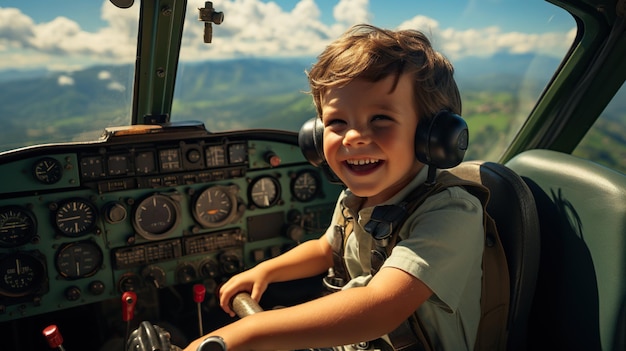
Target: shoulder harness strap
[[338, 275], [383, 226]]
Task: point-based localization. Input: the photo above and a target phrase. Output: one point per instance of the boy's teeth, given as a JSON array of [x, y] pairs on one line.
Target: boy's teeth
[[361, 162]]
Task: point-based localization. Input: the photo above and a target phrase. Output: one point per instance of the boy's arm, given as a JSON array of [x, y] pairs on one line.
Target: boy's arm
[[308, 259], [345, 317], [305, 260]]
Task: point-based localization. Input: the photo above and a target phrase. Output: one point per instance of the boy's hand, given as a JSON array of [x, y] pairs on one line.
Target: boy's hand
[[252, 281]]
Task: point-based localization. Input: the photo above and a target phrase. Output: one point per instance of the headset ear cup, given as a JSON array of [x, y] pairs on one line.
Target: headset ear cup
[[310, 139], [442, 140]]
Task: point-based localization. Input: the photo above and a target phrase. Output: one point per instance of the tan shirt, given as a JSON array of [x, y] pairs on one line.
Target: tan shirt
[[442, 244]]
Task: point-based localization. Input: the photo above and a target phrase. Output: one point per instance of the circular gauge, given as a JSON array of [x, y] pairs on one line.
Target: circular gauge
[[78, 260], [305, 186], [75, 217], [264, 192], [215, 206], [18, 226], [156, 216], [21, 274], [48, 170]]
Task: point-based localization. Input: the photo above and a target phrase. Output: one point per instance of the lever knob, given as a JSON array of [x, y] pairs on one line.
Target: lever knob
[[244, 305], [198, 293], [53, 336], [129, 300]]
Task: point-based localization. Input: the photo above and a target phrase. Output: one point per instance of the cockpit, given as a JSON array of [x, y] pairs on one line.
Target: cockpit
[[153, 146]]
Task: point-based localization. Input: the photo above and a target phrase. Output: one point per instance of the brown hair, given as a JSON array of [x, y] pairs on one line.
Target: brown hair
[[372, 53]]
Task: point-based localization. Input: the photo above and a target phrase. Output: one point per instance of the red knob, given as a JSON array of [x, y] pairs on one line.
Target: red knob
[[273, 159], [129, 299], [198, 293], [53, 336]]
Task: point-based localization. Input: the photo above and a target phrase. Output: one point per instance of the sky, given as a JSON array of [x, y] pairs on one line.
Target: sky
[[70, 34]]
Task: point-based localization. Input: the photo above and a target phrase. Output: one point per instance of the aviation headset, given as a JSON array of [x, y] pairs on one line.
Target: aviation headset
[[440, 141]]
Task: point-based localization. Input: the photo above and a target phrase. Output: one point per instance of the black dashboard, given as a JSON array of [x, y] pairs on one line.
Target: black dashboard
[[149, 207]]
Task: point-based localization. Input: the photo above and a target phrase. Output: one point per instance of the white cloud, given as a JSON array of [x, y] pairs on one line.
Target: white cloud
[[251, 28], [65, 80], [15, 28], [104, 75], [352, 11], [484, 42], [62, 38], [492, 40], [116, 86], [112, 85], [254, 28]]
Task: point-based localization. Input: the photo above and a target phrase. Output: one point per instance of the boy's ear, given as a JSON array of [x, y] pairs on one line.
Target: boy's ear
[[442, 140]]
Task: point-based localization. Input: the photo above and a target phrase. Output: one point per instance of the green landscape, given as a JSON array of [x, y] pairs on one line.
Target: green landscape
[[250, 94]]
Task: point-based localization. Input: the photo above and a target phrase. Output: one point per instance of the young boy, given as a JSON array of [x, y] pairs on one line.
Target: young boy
[[371, 88]]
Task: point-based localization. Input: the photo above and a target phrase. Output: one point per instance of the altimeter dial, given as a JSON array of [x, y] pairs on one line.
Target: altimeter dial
[[78, 260]]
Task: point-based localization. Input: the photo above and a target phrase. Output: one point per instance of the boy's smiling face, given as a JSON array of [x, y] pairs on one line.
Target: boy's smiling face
[[369, 136]]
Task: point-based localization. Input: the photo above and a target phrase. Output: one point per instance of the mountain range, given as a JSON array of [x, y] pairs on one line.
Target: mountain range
[[32, 95], [41, 106]]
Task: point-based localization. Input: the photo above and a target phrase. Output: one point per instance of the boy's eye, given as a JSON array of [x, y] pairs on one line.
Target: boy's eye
[[334, 122], [381, 118]]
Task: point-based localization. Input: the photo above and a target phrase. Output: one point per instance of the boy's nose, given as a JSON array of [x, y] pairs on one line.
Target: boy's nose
[[356, 136]]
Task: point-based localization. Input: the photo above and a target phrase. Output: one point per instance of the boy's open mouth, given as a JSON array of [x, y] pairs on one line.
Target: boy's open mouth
[[363, 165]]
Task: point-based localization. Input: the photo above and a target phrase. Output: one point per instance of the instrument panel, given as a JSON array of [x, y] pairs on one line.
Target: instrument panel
[[86, 222]]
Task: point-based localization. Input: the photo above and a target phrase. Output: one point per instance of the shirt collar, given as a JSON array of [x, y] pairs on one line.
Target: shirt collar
[[354, 202]]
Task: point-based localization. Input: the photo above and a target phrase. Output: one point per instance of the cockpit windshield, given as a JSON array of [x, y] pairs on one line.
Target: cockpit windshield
[[67, 70]]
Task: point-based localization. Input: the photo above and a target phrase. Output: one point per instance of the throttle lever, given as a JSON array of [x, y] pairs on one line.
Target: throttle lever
[[199, 291], [244, 305], [149, 337], [129, 300]]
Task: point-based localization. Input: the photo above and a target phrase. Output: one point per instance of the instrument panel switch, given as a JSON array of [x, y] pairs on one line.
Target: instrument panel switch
[[72, 293], [272, 158]]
